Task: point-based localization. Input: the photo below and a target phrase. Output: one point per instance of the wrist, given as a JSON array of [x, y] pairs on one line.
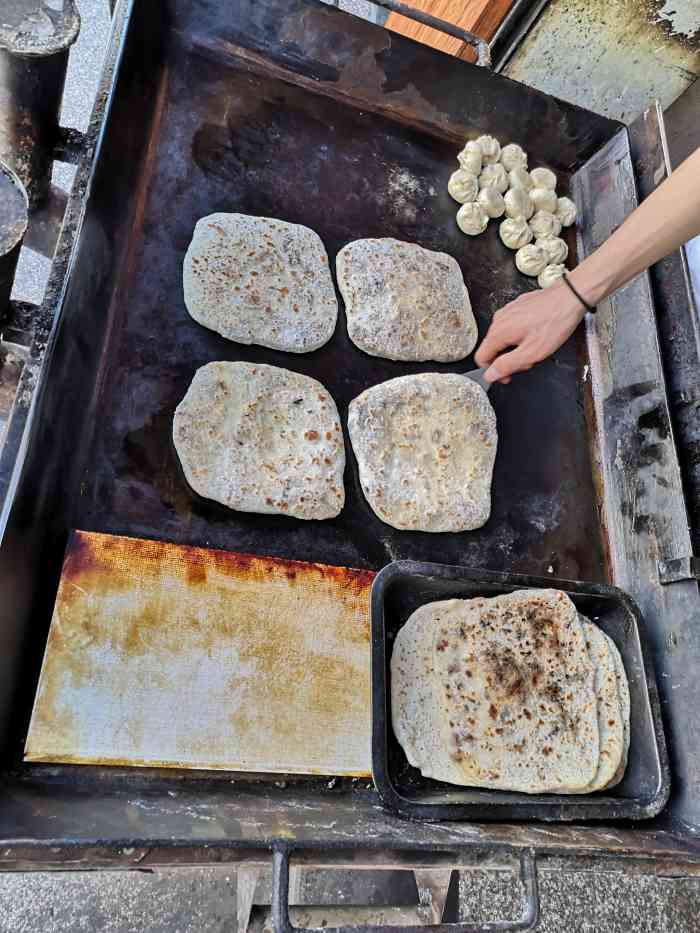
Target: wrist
[[591, 283]]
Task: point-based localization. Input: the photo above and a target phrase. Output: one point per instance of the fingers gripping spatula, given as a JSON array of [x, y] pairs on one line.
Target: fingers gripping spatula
[[477, 376]]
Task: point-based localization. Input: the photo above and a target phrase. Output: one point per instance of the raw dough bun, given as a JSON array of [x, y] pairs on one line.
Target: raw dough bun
[[494, 176], [513, 156], [470, 157], [543, 178], [555, 248], [544, 199], [519, 203], [490, 149], [425, 447], [519, 178], [492, 202], [260, 280], [259, 438], [472, 219], [404, 302], [544, 223], [550, 275], [566, 211], [463, 186], [515, 232], [531, 259]]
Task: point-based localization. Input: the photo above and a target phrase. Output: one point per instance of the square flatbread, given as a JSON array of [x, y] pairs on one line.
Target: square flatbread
[[498, 693], [260, 438], [404, 302], [425, 447], [260, 280]]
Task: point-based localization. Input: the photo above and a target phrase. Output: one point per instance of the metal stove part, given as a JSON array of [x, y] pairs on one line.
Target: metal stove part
[[35, 38], [428, 100], [14, 215], [682, 568], [391, 919], [655, 152]]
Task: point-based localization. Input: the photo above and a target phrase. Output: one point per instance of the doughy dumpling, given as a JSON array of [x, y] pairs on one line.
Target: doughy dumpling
[[544, 223], [463, 186], [566, 211], [513, 156], [494, 176], [472, 219], [492, 202], [470, 157], [518, 203], [544, 199], [515, 232], [519, 178], [490, 149], [531, 259], [555, 248], [543, 178], [550, 274]]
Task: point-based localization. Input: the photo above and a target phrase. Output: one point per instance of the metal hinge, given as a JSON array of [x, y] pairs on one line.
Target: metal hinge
[[680, 568]]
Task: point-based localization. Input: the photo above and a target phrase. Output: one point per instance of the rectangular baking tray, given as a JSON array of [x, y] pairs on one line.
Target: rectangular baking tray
[[399, 589]]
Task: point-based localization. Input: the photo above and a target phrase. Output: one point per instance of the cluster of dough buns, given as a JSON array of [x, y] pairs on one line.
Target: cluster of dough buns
[[492, 182]]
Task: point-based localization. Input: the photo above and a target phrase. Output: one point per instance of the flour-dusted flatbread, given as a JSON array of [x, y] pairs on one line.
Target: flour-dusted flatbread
[[425, 447], [519, 708], [260, 438], [260, 280], [404, 302], [610, 718], [625, 707], [414, 697]]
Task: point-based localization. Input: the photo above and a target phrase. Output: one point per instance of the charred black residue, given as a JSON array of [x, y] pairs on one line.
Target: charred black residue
[[655, 420], [641, 522]]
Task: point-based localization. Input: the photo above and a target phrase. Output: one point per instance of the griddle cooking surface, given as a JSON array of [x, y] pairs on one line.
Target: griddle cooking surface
[[231, 141]]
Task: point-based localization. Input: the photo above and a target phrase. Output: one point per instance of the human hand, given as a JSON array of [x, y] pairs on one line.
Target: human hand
[[530, 328]]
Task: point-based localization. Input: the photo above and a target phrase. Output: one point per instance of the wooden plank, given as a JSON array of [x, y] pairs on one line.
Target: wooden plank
[[482, 17]]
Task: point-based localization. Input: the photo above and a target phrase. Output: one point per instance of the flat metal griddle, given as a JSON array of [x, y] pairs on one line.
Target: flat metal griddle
[[197, 117], [232, 141]]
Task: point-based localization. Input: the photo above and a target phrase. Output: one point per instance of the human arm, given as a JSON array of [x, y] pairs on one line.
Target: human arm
[[536, 324]]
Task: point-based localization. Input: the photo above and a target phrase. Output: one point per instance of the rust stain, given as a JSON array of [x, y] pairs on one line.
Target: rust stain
[[300, 631]]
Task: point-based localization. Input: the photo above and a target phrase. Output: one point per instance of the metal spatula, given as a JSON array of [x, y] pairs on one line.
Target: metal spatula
[[477, 376]]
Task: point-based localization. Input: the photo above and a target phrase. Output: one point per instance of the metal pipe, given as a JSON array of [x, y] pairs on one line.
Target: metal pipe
[[35, 38], [426, 19], [14, 214]]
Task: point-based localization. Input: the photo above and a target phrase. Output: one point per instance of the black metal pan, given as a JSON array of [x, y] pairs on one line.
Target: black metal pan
[[403, 586]]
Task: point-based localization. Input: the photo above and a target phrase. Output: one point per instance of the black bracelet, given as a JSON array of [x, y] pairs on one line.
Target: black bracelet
[[583, 301]]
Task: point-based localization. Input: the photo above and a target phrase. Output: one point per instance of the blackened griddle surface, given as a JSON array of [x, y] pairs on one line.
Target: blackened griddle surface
[[230, 140]]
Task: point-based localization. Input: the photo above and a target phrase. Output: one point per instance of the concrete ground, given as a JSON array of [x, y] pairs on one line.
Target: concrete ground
[[203, 900]]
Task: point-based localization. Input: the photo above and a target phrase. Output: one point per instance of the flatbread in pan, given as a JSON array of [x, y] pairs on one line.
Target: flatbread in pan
[[518, 697]]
